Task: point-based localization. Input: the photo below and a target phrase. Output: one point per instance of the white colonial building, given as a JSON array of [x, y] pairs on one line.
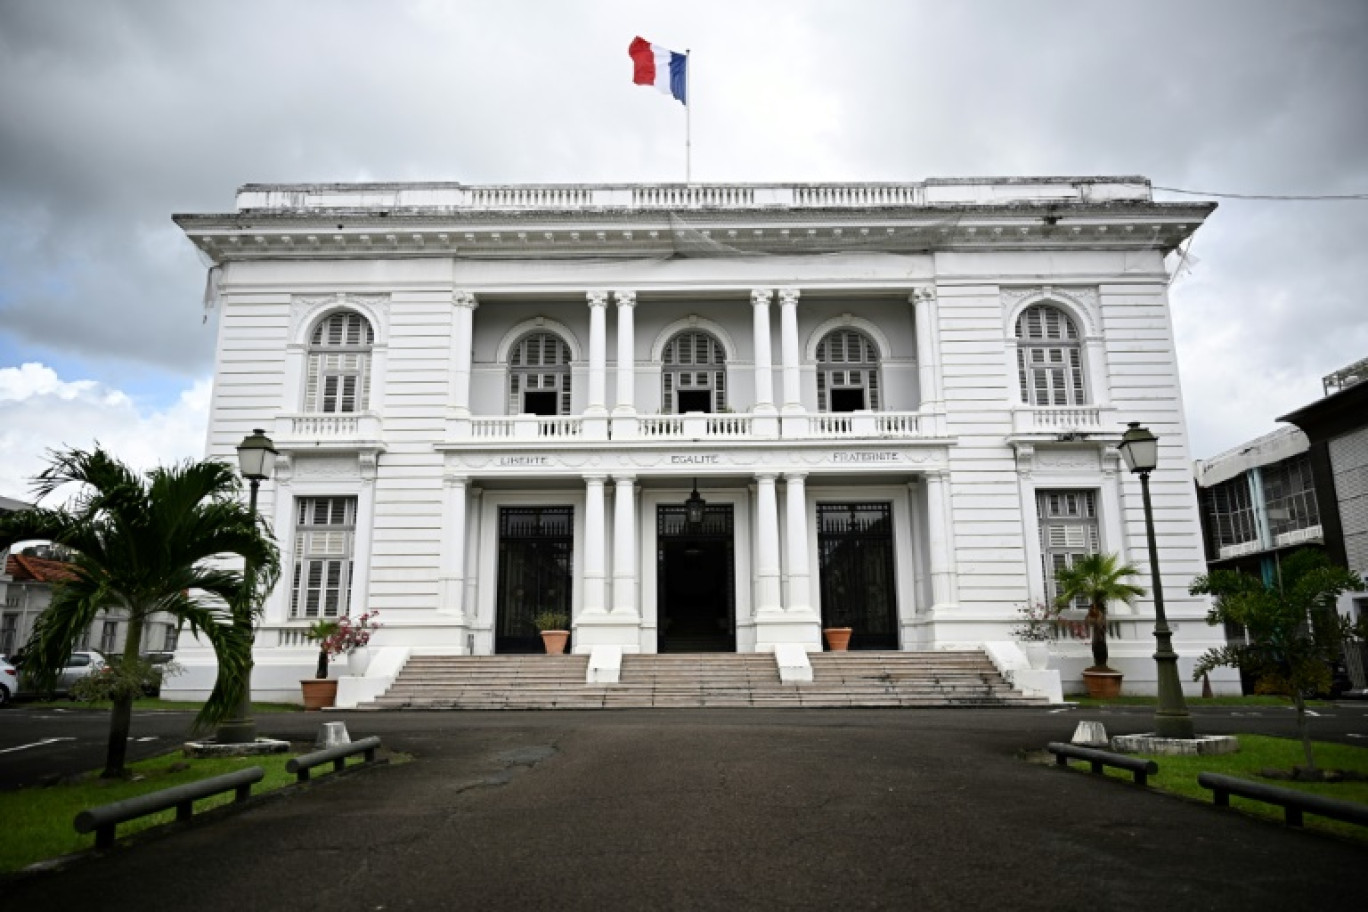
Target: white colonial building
[[899, 404]]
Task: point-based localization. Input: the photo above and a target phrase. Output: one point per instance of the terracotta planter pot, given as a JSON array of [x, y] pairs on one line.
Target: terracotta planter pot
[[319, 693], [1102, 685], [837, 638], [554, 641]]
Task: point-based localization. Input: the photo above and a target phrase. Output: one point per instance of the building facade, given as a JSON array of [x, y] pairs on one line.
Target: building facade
[[897, 403]]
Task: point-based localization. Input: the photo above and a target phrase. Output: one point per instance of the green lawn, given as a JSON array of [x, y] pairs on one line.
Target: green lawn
[[144, 704], [1193, 702], [1178, 775], [38, 821]]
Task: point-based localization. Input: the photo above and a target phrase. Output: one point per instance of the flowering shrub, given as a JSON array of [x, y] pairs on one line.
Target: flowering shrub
[[350, 635], [1037, 623]]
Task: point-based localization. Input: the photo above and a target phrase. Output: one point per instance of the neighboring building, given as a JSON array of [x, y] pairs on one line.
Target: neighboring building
[[899, 403], [1296, 487], [1337, 430], [1258, 503], [10, 598], [30, 578]]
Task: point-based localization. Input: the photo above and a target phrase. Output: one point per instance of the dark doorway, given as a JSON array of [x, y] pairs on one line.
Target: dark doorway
[[847, 400], [695, 581], [855, 548], [541, 403], [536, 560], [695, 401]]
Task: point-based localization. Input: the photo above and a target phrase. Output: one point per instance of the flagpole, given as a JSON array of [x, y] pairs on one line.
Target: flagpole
[[688, 104]]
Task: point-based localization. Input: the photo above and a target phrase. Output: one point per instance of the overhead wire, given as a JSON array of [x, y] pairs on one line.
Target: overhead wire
[[1265, 196]]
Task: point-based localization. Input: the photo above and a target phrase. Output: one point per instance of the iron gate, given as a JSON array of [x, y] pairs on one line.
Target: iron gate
[[855, 553], [536, 563], [695, 580]]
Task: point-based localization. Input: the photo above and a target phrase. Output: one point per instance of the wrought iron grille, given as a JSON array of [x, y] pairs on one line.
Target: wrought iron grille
[[536, 563], [855, 554], [696, 580]]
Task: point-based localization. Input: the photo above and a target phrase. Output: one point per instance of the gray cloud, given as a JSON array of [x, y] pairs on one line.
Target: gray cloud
[[119, 112]]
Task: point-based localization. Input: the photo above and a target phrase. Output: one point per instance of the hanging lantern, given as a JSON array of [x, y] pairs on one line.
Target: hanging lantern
[[694, 507]]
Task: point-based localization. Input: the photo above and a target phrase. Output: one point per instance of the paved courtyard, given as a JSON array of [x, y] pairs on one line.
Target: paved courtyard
[[716, 809]]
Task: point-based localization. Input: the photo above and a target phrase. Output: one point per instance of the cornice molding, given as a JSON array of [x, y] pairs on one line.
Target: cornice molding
[[369, 234]]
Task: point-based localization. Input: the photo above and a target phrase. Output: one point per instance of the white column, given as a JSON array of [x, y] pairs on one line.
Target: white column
[[595, 578], [283, 521], [927, 312], [626, 353], [364, 537], [598, 353], [624, 545], [788, 351], [767, 544], [453, 550], [795, 512], [472, 580], [944, 583], [462, 339], [917, 541], [764, 368]]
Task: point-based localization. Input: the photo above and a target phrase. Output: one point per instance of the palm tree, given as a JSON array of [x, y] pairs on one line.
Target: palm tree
[[1097, 579], [161, 541]]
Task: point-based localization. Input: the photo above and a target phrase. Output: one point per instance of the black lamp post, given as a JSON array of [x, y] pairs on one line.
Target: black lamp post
[[256, 458], [1140, 448]]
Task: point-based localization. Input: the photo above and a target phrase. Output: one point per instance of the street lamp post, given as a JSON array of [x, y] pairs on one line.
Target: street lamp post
[[256, 458], [1140, 448]]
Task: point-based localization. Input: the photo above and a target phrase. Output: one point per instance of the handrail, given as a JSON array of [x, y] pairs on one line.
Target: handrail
[[336, 755], [104, 819], [1139, 767], [1293, 802]]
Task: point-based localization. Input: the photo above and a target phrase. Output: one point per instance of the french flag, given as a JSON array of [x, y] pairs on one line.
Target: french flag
[[654, 65]]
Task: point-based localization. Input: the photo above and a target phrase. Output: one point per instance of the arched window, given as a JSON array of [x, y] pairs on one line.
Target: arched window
[[539, 375], [847, 372], [693, 375], [1049, 357], [338, 379]]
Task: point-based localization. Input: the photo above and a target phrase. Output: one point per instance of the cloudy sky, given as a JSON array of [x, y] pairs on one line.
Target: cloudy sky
[[114, 114]]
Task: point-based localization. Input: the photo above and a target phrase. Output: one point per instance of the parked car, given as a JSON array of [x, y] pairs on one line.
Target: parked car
[[9, 681], [156, 672], [159, 661], [79, 664]]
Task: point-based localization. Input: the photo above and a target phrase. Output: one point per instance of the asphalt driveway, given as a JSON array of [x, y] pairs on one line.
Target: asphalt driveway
[[716, 809]]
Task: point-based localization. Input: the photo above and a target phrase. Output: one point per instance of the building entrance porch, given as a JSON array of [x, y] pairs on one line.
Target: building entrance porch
[[695, 580]]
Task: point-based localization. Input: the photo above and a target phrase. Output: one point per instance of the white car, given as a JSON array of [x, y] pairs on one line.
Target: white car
[[78, 665], [9, 681]]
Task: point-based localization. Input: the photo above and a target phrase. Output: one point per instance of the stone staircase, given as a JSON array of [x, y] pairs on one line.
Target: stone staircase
[[850, 679]]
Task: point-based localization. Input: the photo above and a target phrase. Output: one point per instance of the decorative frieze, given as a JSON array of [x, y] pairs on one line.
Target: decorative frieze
[[662, 462]]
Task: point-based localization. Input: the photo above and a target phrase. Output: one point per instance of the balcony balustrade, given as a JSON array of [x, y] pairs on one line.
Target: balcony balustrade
[[330, 431], [364, 430], [501, 429], [695, 426], [1061, 420]]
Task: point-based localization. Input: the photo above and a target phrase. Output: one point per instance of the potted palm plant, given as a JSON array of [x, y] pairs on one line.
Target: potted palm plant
[[319, 692], [1097, 579], [554, 628]]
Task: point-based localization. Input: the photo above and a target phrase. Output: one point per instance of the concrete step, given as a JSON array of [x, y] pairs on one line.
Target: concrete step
[[699, 680]]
